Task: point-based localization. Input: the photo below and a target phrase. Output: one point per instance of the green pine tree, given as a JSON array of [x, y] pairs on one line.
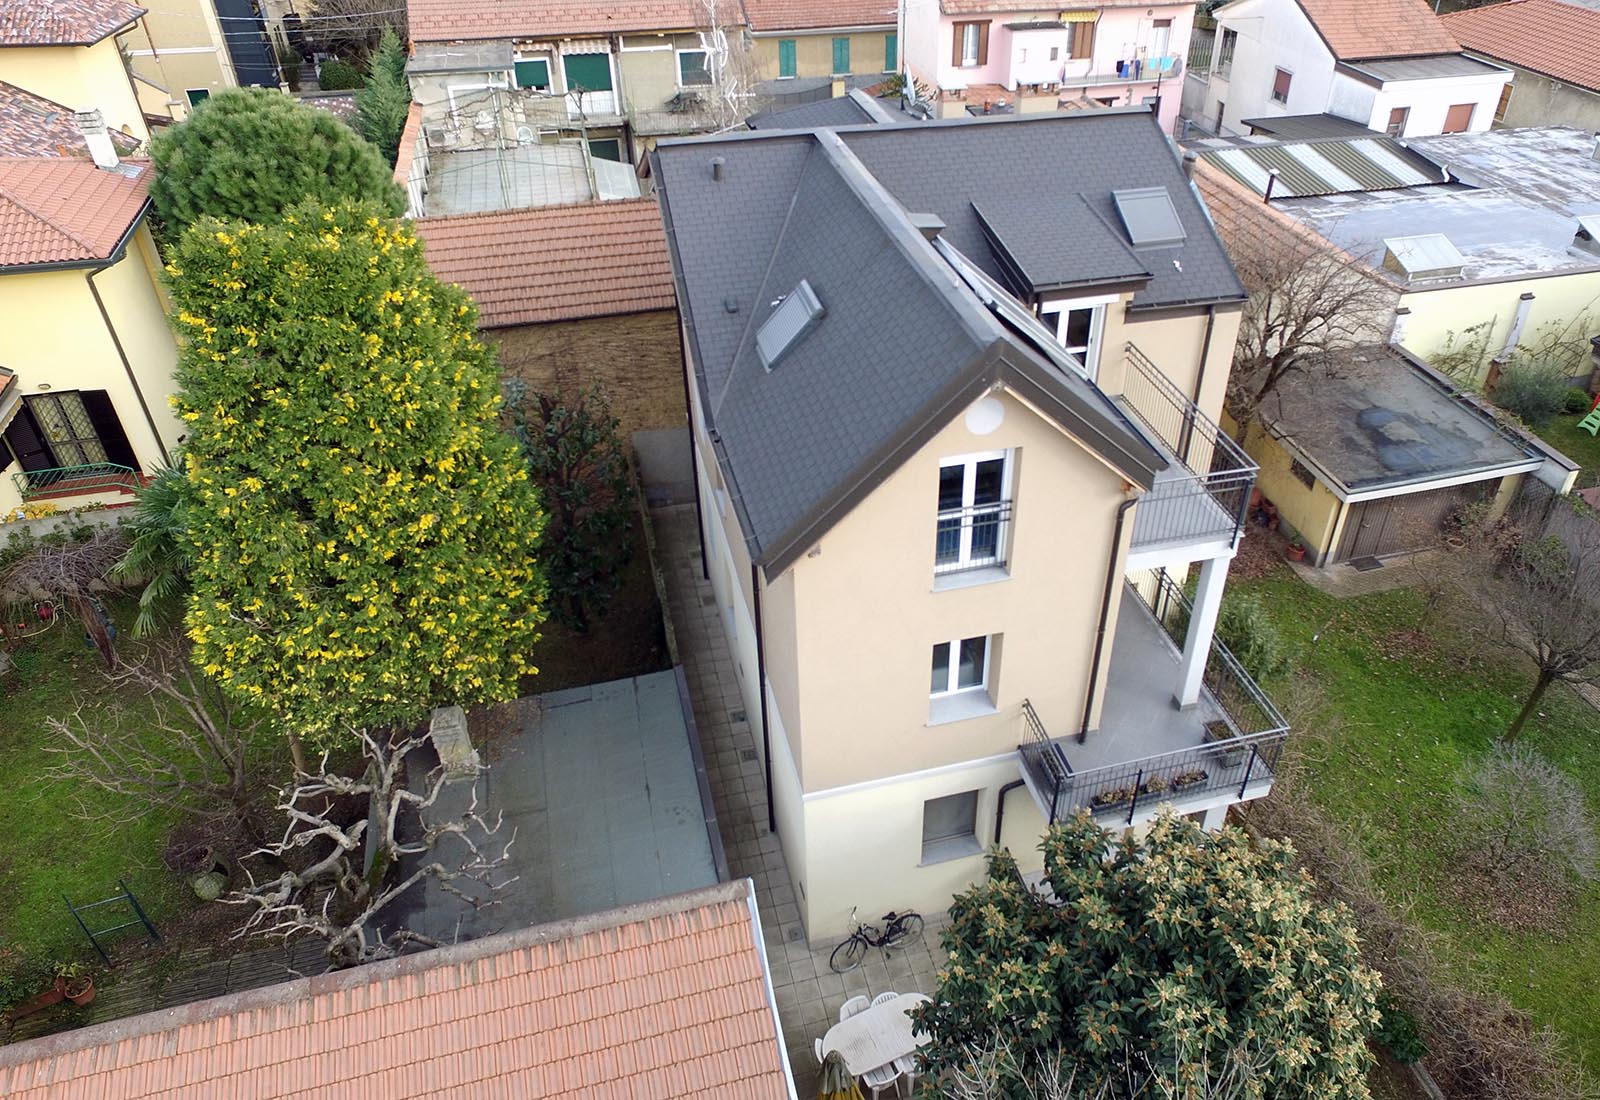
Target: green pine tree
[[382, 105]]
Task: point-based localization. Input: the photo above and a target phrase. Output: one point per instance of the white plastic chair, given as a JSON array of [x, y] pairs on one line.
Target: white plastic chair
[[858, 1003], [819, 1050], [884, 998], [907, 1068], [884, 1077]]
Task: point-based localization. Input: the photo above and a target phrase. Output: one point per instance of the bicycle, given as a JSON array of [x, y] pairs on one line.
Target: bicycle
[[898, 927]]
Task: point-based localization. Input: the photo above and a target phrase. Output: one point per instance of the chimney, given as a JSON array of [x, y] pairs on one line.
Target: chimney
[[718, 168], [93, 128], [1189, 159]]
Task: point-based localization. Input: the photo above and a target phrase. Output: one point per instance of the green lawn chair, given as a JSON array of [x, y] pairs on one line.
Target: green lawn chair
[[1591, 423]]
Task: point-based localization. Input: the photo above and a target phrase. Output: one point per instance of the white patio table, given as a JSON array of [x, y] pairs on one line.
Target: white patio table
[[876, 1036]]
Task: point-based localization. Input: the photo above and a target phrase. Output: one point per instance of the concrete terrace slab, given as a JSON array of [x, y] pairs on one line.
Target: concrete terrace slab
[[601, 786], [469, 181]]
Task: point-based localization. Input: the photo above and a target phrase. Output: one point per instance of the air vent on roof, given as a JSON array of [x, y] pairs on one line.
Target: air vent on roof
[[1149, 216], [796, 315], [1424, 257], [1587, 238]]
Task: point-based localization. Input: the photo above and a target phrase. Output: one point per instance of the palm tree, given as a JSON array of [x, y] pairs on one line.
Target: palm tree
[[159, 553]]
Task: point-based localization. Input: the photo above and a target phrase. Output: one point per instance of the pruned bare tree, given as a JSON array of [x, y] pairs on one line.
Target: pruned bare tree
[[351, 28], [731, 60], [993, 1072], [340, 879], [1536, 572], [1523, 818], [188, 748], [71, 574]]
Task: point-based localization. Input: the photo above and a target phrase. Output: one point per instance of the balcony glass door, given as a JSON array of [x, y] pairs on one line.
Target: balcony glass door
[[972, 512]]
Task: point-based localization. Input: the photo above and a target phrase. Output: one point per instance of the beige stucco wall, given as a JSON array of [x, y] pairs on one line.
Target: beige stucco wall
[[1559, 300], [813, 53], [1537, 100], [1175, 341], [180, 47], [56, 340], [649, 78], [1312, 512], [80, 78]]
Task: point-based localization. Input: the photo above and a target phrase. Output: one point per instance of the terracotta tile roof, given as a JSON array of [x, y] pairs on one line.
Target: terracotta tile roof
[[999, 7], [1364, 29], [452, 20], [63, 22], [1556, 39], [555, 263], [65, 210], [664, 999], [795, 15], [33, 126]]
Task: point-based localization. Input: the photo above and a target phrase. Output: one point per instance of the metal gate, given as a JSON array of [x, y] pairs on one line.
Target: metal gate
[[1400, 524]]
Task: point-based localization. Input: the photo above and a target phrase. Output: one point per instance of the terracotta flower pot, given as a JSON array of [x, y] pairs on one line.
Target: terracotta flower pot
[[80, 991], [1295, 553]]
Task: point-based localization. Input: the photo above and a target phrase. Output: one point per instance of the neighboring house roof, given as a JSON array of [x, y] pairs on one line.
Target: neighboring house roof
[[447, 20], [667, 998], [33, 126], [1379, 419], [1304, 168], [855, 109], [880, 223], [795, 15], [1307, 127], [63, 210], [1000, 7], [63, 22], [1544, 36], [1358, 29], [554, 263]]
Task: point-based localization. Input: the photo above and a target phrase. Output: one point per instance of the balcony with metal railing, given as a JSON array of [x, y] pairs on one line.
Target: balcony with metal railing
[[972, 539], [1203, 495], [1147, 752], [85, 480]]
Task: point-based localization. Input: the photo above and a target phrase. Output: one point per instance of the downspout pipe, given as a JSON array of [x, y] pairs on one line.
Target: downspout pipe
[[1105, 616], [116, 342], [1199, 380], [694, 455], [761, 686], [1000, 808]]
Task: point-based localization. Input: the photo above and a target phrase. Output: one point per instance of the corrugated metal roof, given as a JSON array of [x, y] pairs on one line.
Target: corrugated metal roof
[[1327, 167]]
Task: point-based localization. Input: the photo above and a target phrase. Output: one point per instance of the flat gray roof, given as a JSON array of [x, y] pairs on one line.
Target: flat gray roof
[[1376, 419], [1422, 68], [460, 57]]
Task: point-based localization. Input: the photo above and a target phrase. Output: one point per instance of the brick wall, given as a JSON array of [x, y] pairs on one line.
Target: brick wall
[[634, 357]]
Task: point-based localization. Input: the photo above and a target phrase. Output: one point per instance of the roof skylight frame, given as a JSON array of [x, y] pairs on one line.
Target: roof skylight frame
[[797, 313], [1149, 216]]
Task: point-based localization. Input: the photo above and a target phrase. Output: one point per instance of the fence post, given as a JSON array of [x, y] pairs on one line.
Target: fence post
[[1133, 803], [1248, 765]]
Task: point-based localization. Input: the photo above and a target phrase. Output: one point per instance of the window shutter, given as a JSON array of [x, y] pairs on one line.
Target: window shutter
[[983, 43], [102, 417], [955, 44], [891, 53], [786, 57]]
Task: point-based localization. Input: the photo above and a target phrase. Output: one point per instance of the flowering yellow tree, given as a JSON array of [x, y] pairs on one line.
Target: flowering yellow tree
[[364, 534]]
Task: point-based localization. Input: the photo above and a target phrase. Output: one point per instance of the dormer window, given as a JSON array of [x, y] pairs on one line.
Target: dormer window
[[1078, 324]]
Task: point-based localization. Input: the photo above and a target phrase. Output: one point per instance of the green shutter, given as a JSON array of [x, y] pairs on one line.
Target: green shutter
[[533, 74], [198, 96], [891, 52], [606, 149], [588, 71], [841, 55], [786, 65]]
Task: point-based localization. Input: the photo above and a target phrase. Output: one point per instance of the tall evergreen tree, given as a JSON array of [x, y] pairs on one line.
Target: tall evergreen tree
[[382, 105]]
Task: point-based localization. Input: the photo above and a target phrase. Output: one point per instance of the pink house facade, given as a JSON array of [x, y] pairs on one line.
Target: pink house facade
[[985, 57]]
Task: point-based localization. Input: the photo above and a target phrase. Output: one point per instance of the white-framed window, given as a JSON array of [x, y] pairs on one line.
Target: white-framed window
[[950, 827], [970, 35], [693, 70], [974, 512], [1281, 79], [960, 666], [1078, 324], [532, 71], [645, 43]]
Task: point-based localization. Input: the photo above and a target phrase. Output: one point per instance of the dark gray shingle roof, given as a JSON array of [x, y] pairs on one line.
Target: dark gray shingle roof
[[1053, 247], [840, 111]]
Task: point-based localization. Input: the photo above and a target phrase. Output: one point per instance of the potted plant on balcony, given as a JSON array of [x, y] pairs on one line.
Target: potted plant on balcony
[[1296, 550], [1190, 778], [1111, 796], [75, 982], [1218, 731]]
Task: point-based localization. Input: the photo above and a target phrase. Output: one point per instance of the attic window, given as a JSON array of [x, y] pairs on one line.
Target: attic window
[[796, 315], [1423, 257], [1149, 216]]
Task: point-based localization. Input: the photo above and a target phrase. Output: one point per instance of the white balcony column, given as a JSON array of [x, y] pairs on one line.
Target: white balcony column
[[1202, 625]]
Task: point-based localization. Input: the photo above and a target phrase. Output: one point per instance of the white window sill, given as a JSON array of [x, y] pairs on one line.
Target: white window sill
[[969, 578], [959, 707], [951, 848]]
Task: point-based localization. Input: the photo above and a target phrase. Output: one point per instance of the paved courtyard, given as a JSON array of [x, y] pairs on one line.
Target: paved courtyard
[[809, 993]]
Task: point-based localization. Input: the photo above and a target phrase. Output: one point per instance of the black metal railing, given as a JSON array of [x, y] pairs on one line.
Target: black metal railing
[[1208, 497], [1043, 759], [94, 477], [972, 538], [1244, 741]]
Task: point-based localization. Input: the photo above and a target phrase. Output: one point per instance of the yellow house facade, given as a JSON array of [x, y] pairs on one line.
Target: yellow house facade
[[180, 50], [67, 52], [86, 356], [949, 471], [800, 48]]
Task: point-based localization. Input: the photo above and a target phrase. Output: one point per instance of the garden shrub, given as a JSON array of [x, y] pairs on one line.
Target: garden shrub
[[1578, 401], [1398, 1032], [1251, 635], [340, 76], [1533, 391]]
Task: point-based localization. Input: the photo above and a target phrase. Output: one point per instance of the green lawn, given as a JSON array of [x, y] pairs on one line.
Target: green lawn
[[45, 851], [1398, 717], [1562, 433]]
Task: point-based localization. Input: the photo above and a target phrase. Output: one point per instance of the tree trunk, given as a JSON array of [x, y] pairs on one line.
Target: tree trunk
[[1546, 678], [297, 753]]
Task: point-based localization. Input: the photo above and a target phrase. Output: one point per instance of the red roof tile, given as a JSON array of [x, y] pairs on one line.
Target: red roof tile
[[1366, 29], [65, 210], [63, 22], [576, 1008], [453, 20], [555, 263], [794, 15], [1546, 36], [33, 126]]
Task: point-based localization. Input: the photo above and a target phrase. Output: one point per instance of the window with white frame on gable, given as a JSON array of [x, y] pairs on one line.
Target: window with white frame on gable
[[974, 512]]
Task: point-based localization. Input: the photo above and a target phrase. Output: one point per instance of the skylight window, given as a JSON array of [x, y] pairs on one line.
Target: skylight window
[[1426, 256], [795, 316], [1149, 216]]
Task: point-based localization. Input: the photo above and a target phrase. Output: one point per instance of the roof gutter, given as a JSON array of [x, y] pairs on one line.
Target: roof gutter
[[1105, 616], [96, 262]]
